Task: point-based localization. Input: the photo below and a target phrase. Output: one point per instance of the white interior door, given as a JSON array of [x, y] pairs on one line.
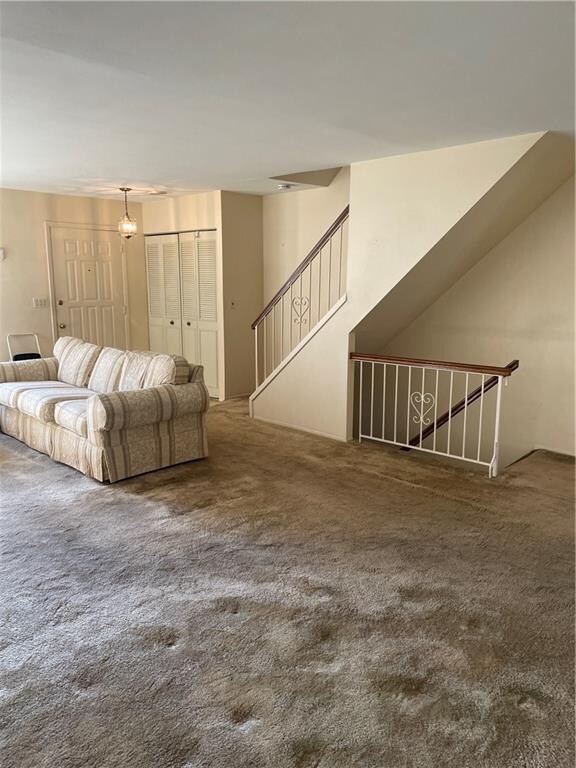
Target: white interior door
[[198, 275], [189, 293], [164, 311], [89, 285]]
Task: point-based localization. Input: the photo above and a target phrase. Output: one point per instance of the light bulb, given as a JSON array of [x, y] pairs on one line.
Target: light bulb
[[127, 227]]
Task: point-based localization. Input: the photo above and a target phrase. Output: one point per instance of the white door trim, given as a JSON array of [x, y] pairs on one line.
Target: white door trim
[[48, 227]]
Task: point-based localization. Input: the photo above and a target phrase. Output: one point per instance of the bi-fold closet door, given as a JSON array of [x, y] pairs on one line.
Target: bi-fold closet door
[[189, 326], [199, 286], [164, 313]]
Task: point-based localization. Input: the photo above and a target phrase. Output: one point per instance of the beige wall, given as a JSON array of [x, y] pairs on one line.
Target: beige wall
[[242, 269], [517, 302], [178, 214], [24, 272], [401, 207], [293, 222]]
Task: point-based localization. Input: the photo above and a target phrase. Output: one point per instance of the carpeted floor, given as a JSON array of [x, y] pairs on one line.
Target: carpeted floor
[[290, 602]]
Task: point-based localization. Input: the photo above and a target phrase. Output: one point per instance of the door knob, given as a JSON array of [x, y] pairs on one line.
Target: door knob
[[188, 322], [61, 325], [60, 302], [171, 322]]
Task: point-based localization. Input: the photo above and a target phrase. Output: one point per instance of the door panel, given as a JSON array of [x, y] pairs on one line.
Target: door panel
[[190, 343], [164, 314], [209, 357], [198, 278], [89, 285]]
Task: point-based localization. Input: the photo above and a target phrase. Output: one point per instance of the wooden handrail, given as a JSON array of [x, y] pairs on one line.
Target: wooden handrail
[[459, 407], [303, 264], [491, 370]]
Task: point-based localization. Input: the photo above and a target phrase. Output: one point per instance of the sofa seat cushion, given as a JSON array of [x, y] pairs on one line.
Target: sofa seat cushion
[[105, 376], [40, 402], [72, 415], [11, 391], [76, 359]]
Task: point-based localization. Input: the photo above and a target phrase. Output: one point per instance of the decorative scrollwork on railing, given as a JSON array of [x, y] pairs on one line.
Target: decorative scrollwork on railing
[[422, 404], [300, 307]]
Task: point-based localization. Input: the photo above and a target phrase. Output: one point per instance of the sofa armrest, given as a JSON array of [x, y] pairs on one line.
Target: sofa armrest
[[41, 369], [196, 374], [138, 407]]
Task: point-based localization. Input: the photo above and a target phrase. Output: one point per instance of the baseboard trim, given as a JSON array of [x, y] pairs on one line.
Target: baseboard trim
[[553, 450], [299, 428]]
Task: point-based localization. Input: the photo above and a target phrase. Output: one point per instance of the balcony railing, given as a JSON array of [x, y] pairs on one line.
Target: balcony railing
[[426, 405]]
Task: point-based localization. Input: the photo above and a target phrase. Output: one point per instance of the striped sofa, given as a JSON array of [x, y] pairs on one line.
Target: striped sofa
[[109, 413]]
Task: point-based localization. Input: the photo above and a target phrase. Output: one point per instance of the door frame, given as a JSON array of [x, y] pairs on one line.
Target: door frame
[[49, 226]]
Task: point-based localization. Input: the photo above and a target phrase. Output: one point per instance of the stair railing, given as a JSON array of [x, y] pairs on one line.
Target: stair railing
[[311, 291], [399, 401]]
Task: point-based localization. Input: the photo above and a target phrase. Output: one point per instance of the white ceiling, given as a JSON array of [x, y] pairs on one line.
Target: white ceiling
[[190, 96]]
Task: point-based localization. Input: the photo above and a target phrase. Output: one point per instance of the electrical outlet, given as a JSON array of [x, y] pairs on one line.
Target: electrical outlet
[[40, 303]]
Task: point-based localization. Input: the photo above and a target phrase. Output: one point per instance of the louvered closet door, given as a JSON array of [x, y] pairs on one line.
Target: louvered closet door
[[198, 276], [164, 312]]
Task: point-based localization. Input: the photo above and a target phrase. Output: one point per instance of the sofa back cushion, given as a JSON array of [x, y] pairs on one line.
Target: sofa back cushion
[[167, 369], [76, 359], [105, 376], [149, 369], [134, 370]]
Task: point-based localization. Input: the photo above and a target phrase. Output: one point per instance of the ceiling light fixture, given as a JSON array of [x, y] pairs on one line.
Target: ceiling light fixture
[[127, 225]]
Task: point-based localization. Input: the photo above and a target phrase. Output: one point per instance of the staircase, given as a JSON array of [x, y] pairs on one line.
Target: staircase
[[421, 222], [311, 295]]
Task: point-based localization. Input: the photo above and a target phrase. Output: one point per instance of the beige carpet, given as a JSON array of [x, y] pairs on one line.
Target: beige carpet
[[290, 602]]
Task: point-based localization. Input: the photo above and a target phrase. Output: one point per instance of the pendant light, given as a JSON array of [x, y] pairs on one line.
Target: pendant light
[[127, 225]]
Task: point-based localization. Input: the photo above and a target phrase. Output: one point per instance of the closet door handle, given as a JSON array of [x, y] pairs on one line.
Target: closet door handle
[[188, 322], [171, 322]]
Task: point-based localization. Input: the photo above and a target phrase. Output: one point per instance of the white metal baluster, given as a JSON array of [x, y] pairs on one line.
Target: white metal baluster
[[360, 405], [265, 345], [450, 412], [329, 275], [372, 404], [384, 367], [319, 283], [435, 411], [282, 327], [256, 354], [291, 317], [465, 416], [408, 405], [309, 310], [493, 469], [300, 323], [396, 409], [480, 421], [274, 336], [422, 404], [340, 263]]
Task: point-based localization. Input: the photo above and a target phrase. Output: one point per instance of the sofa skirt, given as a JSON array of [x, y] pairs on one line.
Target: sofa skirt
[[58, 443], [116, 455]]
